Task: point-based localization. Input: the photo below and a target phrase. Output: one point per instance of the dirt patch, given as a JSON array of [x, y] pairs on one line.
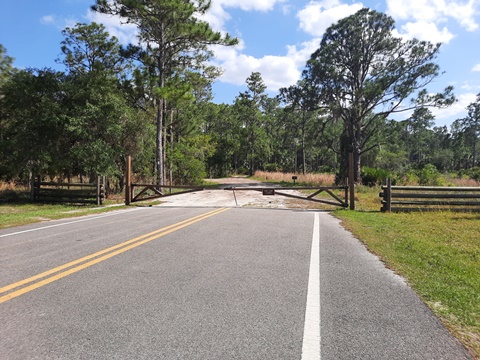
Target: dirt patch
[[220, 197]]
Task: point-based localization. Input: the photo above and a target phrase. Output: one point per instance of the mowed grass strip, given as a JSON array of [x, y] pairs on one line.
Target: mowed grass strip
[[21, 214], [438, 253]]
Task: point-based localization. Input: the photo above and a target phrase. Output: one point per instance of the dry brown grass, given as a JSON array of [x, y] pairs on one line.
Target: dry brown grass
[[308, 179], [7, 186], [464, 182]]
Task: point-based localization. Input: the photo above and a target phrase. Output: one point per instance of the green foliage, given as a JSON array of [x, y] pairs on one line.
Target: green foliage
[[106, 106], [374, 176], [353, 78], [272, 167], [6, 68], [472, 173], [88, 48], [177, 46], [409, 178], [250, 107], [325, 169], [430, 176], [33, 135], [188, 160], [468, 132], [57, 124]]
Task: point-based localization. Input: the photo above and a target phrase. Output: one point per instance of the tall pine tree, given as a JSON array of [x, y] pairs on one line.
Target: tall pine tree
[[173, 39]]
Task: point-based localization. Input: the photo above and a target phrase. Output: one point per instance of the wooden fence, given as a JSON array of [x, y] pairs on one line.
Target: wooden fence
[[73, 193], [428, 198]]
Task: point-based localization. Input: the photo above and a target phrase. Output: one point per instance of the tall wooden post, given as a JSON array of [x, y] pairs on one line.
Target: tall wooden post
[[351, 181], [388, 195], [99, 184], [345, 183], [31, 183], [128, 181]]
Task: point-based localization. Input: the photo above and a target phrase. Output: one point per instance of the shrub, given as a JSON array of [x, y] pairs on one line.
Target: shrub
[[272, 167], [374, 176], [472, 173], [430, 176], [326, 169], [408, 178]]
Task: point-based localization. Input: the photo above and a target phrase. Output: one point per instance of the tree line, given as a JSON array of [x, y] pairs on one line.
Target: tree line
[[154, 101]]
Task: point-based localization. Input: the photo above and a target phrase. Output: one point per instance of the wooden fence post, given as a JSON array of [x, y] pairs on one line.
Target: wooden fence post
[[388, 195], [100, 189], [31, 183], [351, 181], [346, 181], [128, 181]]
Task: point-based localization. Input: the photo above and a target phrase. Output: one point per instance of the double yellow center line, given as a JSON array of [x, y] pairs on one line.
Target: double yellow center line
[[24, 286]]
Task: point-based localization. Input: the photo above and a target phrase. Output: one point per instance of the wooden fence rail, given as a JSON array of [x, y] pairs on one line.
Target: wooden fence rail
[[427, 198], [74, 193]]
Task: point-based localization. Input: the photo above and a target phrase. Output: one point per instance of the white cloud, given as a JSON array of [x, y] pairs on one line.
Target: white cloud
[[470, 86], [425, 31], [277, 71], [435, 11], [476, 68], [48, 19], [125, 33], [287, 9], [457, 110], [464, 14], [217, 16], [250, 5], [59, 23], [317, 16], [301, 55]]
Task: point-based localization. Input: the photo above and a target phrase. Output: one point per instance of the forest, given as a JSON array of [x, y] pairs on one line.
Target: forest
[[154, 102]]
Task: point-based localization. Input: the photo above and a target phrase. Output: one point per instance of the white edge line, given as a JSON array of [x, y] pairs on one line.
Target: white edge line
[[311, 333], [90, 217]]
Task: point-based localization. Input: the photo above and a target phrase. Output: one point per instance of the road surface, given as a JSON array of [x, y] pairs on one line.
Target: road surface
[[206, 283]]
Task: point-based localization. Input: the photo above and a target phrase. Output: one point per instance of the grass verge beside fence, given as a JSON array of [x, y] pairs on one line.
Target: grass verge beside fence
[[438, 253], [22, 214]]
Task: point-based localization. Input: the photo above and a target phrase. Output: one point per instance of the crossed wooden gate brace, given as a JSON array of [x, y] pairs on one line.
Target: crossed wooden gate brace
[[152, 191], [279, 191]]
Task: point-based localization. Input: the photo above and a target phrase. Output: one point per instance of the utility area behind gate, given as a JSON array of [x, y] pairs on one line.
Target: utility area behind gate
[[329, 195]]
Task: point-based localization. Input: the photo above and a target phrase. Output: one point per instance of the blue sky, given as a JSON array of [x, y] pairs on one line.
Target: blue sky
[[276, 38]]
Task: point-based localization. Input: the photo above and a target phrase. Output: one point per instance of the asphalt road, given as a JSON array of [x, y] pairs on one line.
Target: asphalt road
[[206, 283]]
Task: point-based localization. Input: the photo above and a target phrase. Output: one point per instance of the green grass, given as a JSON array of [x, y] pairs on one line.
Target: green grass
[[16, 209], [438, 253], [17, 214]]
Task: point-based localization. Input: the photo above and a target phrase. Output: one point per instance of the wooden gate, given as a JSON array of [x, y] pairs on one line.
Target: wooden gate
[[316, 190], [135, 192], [73, 193], [152, 191]]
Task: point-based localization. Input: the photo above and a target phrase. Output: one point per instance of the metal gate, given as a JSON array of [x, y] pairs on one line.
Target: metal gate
[[335, 199], [152, 191]]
